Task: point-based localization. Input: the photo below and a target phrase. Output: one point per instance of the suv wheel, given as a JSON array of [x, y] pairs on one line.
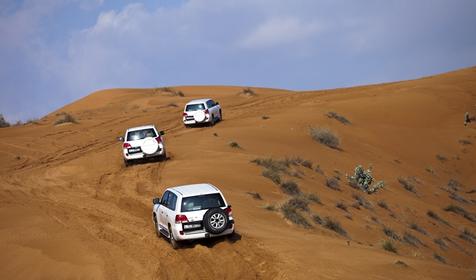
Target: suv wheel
[[156, 228], [172, 239], [215, 220], [127, 163]]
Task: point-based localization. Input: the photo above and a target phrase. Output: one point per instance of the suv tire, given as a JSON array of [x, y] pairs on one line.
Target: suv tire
[[215, 220], [156, 226], [172, 239]]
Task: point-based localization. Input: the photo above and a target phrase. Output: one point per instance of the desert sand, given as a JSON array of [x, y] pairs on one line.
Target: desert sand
[[70, 209]]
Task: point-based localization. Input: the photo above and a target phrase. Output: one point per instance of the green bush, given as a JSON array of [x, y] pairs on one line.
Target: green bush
[[362, 179]]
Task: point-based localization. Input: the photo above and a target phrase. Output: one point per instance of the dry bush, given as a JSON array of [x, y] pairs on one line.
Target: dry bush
[[333, 183], [334, 225], [290, 187], [3, 122], [383, 204], [461, 211], [411, 239], [361, 201], [334, 115], [341, 206], [441, 243], [391, 233], [387, 245], [255, 195], [468, 235], [408, 184], [325, 137], [291, 211], [435, 216], [272, 175], [234, 144], [439, 258], [65, 118], [317, 219], [441, 158], [248, 92], [416, 227]]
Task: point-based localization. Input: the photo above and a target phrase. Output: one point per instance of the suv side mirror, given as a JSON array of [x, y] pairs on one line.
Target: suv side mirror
[[217, 103], [161, 132], [120, 139], [156, 200]]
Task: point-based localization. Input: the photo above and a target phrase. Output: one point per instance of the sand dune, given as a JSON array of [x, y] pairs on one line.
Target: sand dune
[[70, 209]]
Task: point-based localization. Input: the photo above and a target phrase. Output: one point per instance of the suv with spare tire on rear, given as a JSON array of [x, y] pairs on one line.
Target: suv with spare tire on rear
[[143, 142], [192, 212]]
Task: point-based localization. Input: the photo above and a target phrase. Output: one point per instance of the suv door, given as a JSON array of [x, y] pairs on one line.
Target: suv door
[[162, 218], [212, 108], [169, 209]]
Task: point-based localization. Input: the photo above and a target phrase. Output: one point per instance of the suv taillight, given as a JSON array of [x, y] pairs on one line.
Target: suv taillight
[[228, 211], [207, 112], [159, 139], [184, 114], [181, 219], [126, 145]]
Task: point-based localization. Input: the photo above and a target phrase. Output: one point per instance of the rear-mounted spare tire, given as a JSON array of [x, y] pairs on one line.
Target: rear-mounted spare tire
[[199, 116], [215, 220], [149, 146]]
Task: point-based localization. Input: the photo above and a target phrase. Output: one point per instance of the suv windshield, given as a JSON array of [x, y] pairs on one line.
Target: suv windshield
[[141, 134], [195, 107], [202, 202]]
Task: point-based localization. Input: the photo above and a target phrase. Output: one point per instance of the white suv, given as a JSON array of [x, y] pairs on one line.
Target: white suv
[[192, 212], [142, 142], [201, 111]]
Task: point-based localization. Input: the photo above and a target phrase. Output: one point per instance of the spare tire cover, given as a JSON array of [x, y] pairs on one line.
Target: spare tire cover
[[149, 146], [199, 116]]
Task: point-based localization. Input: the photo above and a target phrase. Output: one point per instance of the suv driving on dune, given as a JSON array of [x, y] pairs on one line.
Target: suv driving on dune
[[201, 111], [143, 142], [192, 212]]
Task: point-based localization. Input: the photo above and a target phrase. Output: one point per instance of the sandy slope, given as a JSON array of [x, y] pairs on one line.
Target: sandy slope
[[70, 209]]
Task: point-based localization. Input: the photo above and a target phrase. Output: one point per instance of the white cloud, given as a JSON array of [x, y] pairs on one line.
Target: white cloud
[[280, 31]]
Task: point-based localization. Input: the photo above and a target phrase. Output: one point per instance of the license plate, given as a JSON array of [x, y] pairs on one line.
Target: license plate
[[191, 226], [133, 150]]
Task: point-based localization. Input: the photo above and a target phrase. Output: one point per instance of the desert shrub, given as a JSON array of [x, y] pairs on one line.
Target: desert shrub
[[265, 117], [3, 122], [391, 233], [332, 183], [248, 92], [468, 235], [272, 175], [430, 170], [334, 225], [234, 144], [435, 216], [362, 179], [461, 211], [375, 220], [464, 142], [457, 197], [387, 245], [269, 163], [334, 115], [325, 137], [290, 210], [341, 205], [317, 219], [255, 195], [383, 204], [411, 239], [401, 263], [408, 184], [172, 105], [439, 258], [441, 158], [314, 198], [269, 207], [361, 201], [454, 185], [319, 170], [180, 93], [441, 243], [65, 118], [307, 164], [416, 227], [290, 187]]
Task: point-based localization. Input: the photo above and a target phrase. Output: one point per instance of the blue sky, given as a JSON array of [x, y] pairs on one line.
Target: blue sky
[[53, 52]]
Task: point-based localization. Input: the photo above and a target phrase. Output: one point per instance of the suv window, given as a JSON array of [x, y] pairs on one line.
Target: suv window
[[195, 107], [172, 200], [202, 202], [141, 134], [165, 198], [210, 103]]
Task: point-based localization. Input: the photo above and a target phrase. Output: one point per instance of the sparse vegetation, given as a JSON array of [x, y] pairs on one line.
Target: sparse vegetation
[[439, 258], [319, 170], [416, 227], [334, 225], [65, 118], [172, 105], [465, 142], [468, 235], [383, 204], [255, 195], [454, 185], [362, 179], [291, 211], [441, 243], [170, 90], [430, 170], [361, 201], [332, 183], [307, 164], [387, 245], [3, 122], [269, 207], [234, 144], [317, 219], [290, 187], [441, 158], [408, 183], [341, 206], [435, 216], [273, 175], [265, 117], [411, 239], [457, 197], [334, 115], [248, 92], [314, 198], [325, 137], [461, 211], [401, 263], [391, 233]]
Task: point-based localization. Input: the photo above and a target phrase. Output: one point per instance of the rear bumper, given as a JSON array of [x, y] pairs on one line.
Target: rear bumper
[[181, 235], [193, 121], [141, 155]]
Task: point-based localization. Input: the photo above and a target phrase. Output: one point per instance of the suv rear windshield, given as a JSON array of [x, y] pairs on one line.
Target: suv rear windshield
[[141, 134], [202, 202], [194, 107]]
